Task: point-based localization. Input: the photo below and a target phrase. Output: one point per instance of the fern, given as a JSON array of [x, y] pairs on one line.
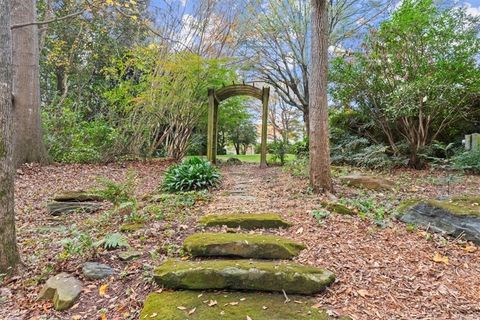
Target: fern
[[113, 241]]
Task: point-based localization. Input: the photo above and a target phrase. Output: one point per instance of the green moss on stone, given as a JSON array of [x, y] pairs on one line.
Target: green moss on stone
[[245, 221], [242, 245], [243, 275], [131, 227], [466, 205], [229, 306], [337, 208], [77, 196]]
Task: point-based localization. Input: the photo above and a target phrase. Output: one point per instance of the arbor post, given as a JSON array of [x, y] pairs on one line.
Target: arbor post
[[263, 155], [212, 127]]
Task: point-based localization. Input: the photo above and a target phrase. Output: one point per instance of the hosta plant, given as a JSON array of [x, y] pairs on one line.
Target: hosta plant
[[192, 174]]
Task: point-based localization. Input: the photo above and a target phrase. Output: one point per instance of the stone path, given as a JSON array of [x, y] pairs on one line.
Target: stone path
[[268, 273]]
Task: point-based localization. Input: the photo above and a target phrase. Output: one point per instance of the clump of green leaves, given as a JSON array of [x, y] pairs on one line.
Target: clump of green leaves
[[320, 214], [119, 193], [192, 174], [78, 244], [113, 241], [468, 161]]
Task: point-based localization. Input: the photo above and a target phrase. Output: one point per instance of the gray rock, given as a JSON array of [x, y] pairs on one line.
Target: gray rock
[[452, 217], [129, 255], [63, 289], [96, 271], [77, 196], [58, 208], [234, 161]]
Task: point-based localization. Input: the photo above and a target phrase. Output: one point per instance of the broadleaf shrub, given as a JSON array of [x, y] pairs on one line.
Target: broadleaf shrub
[[192, 174], [468, 161]]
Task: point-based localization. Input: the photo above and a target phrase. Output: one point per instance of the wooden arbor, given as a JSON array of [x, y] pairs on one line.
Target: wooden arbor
[[217, 96]]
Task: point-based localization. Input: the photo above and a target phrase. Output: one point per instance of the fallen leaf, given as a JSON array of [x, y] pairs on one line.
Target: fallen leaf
[[181, 308], [299, 230], [264, 307], [243, 299], [104, 316], [439, 258], [248, 318], [470, 249], [212, 303], [102, 291], [231, 304], [192, 311], [363, 293]]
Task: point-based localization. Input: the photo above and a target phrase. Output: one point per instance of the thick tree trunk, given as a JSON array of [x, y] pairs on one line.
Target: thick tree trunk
[[28, 141], [320, 178], [9, 257]]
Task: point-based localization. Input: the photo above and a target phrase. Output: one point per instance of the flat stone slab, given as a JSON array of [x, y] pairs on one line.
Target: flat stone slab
[[192, 305], [242, 275], [129, 255], [245, 221], [77, 196], [454, 217], [96, 271], [241, 245], [63, 289], [367, 182], [58, 208]]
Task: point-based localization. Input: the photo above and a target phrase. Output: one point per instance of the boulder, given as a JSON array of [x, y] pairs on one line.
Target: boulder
[[242, 275], [245, 221], [181, 305], [77, 196], [454, 216], [58, 208], [367, 182], [96, 271], [234, 161], [241, 245], [129, 255], [63, 289]]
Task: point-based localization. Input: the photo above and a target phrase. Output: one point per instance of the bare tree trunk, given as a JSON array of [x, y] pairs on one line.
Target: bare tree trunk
[[9, 256], [320, 178], [28, 141]]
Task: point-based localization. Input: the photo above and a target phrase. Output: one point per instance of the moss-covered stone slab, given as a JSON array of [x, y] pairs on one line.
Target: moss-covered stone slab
[[131, 227], [77, 196], [454, 217], [242, 275], [367, 182], [241, 245], [245, 221], [192, 305], [337, 208]]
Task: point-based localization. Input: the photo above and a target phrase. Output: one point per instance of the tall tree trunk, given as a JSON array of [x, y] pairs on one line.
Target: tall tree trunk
[[9, 256], [28, 141], [320, 178], [306, 121]]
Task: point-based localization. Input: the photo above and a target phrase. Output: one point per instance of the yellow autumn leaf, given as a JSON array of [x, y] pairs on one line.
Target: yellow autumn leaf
[[470, 249], [439, 258], [103, 317], [103, 289]]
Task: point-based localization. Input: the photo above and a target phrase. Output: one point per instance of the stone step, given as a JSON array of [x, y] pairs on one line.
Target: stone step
[[246, 221], [192, 305], [242, 275], [241, 245]]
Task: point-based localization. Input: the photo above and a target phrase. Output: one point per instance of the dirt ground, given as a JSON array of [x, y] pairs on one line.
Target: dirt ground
[[385, 269]]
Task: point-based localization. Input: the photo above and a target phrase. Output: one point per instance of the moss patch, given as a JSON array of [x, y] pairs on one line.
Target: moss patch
[[245, 221], [229, 306], [242, 245], [337, 208], [77, 196], [131, 227], [243, 275], [466, 205]]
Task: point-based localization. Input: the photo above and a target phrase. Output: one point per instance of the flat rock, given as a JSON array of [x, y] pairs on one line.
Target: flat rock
[[181, 305], [77, 196], [245, 221], [58, 208], [242, 275], [367, 182], [63, 289], [337, 208], [131, 227], [454, 217], [241, 245], [96, 271], [129, 255]]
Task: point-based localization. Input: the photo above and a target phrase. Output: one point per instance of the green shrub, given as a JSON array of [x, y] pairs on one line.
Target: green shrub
[[192, 174], [118, 192], [468, 161], [278, 150]]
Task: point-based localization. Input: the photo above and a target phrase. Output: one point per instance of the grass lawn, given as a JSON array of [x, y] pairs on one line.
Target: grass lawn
[[252, 158]]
